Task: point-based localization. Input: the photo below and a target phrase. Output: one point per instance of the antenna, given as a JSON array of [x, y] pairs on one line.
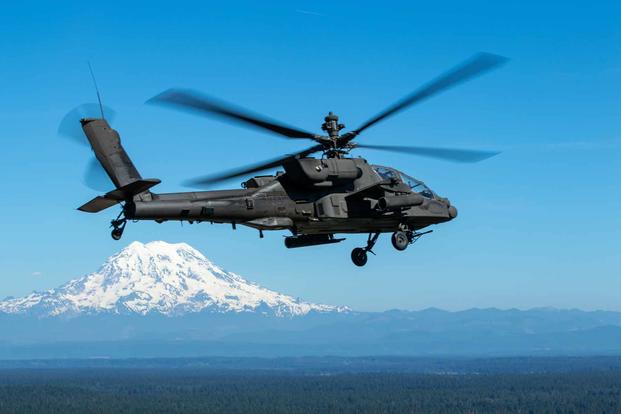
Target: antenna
[[90, 68]]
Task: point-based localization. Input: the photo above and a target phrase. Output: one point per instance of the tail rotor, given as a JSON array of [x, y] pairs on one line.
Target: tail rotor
[[70, 126]]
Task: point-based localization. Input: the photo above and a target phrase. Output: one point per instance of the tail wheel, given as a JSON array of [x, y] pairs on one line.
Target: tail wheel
[[117, 234], [359, 256]]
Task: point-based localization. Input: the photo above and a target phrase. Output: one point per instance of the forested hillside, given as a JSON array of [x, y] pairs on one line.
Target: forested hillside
[[198, 391]]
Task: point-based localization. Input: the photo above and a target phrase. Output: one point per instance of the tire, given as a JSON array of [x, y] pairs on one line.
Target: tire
[[400, 240], [359, 256], [117, 234]]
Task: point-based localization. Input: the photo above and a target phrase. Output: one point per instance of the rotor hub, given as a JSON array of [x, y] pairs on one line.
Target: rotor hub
[[331, 125]]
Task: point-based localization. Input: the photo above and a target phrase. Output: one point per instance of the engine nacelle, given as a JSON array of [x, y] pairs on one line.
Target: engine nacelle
[[400, 201], [313, 170]]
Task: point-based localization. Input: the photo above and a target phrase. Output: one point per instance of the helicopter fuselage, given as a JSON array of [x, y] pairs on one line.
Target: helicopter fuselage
[[314, 199], [313, 196]]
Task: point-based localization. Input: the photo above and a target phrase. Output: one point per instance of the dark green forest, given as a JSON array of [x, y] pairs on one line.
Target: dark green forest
[[156, 390]]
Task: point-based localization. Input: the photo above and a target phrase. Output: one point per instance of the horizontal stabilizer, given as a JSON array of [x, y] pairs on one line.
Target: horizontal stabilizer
[[131, 189], [97, 204], [116, 196]]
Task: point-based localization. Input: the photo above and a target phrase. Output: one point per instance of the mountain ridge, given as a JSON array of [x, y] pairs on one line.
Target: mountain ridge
[[160, 277]]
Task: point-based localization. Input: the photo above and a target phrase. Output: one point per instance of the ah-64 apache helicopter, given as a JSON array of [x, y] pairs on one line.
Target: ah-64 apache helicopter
[[314, 198]]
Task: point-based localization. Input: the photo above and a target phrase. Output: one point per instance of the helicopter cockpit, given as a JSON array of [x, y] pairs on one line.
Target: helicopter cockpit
[[417, 186]]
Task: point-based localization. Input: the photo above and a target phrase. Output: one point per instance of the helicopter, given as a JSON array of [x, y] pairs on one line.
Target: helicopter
[[314, 198]]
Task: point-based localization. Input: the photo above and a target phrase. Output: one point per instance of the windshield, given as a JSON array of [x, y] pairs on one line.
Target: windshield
[[417, 185], [386, 173]]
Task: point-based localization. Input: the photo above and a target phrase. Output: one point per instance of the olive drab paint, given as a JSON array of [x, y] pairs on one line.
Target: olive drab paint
[[313, 198]]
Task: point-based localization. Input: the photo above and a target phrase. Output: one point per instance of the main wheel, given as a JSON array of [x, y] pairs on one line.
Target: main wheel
[[400, 240], [359, 256], [117, 234]]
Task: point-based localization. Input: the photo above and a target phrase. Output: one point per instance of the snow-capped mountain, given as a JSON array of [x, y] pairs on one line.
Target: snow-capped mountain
[[159, 277]]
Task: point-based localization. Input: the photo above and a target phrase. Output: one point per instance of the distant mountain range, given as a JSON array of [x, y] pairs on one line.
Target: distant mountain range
[[166, 300]]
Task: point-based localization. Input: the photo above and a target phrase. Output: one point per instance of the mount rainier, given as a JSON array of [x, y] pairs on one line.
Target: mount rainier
[[168, 300], [162, 278]]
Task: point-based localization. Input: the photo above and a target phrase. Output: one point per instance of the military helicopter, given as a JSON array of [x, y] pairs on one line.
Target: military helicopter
[[315, 199]]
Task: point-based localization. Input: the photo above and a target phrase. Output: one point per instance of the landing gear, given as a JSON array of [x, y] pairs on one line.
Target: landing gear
[[118, 226], [400, 240], [359, 254]]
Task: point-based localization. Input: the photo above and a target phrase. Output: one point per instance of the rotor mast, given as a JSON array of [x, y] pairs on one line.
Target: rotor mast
[[333, 128]]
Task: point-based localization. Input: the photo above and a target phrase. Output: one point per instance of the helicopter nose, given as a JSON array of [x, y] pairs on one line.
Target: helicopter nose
[[452, 211]]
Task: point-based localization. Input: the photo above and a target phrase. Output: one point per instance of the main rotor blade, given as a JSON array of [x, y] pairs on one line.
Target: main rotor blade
[[477, 65], [448, 154], [211, 179], [200, 103]]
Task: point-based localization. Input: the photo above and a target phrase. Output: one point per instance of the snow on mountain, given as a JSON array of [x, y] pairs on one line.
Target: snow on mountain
[[164, 278]]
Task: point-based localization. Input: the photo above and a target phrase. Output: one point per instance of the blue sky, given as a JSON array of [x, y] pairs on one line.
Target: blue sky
[[538, 224]]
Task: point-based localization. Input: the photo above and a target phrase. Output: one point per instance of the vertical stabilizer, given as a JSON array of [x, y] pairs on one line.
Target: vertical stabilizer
[[106, 144]]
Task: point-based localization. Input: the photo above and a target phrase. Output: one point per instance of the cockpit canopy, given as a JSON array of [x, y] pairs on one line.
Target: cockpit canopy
[[386, 173]]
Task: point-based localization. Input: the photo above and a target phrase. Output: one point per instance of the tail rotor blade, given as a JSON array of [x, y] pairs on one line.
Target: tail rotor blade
[[95, 177], [70, 126]]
